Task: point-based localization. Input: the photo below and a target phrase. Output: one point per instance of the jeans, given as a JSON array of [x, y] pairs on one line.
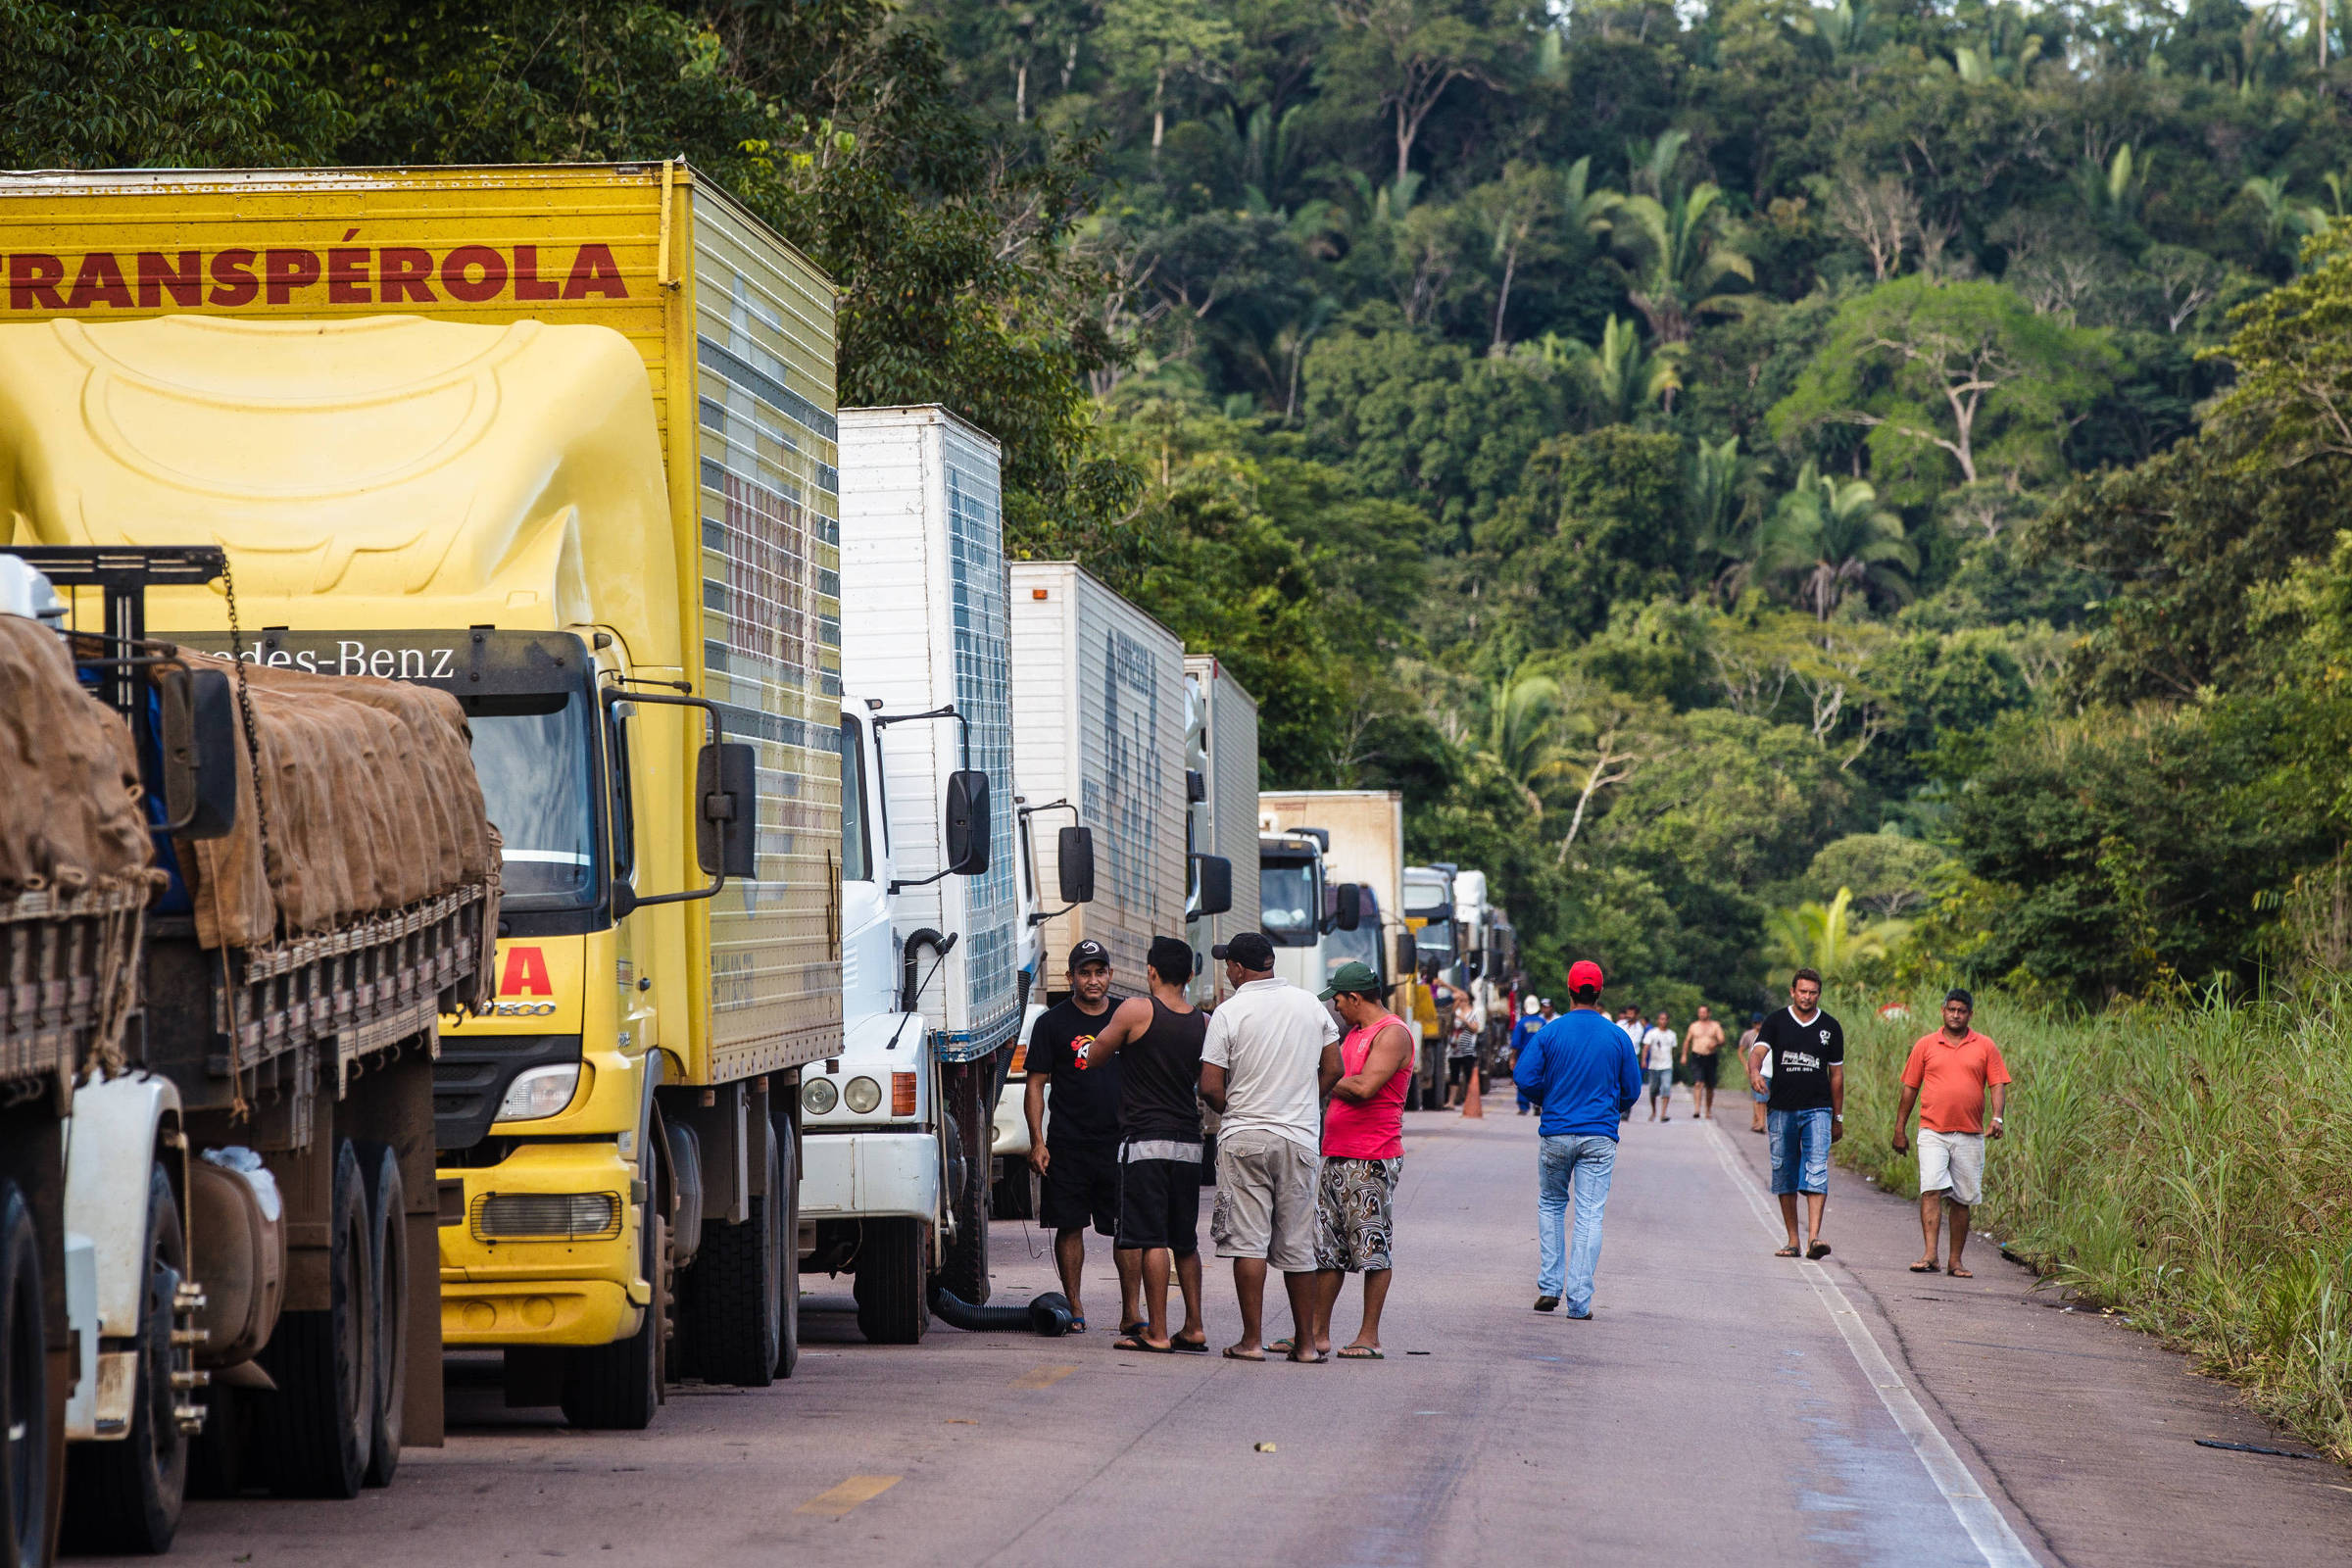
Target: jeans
[[1566, 1269], [1800, 1141]]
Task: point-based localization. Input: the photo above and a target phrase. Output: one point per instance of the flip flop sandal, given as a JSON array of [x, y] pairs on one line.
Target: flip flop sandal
[[1924, 1268], [1077, 1326], [1788, 1251], [1282, 1345], [1961, 1273], [1231, 1354], [1185, 1346], [1134, 1331], [1317, 1359], [1361, 1352], [1132, 1341], [1818, 1251]]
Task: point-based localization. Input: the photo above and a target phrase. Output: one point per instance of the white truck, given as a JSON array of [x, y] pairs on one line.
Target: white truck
[[1313, 919], [935, 934], [1221, 818], [1436, 945], [1365, 833]]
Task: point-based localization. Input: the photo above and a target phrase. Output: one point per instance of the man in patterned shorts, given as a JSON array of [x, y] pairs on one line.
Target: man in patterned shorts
[[1363, 1150]]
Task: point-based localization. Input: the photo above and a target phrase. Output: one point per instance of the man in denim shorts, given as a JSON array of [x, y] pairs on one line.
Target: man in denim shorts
[[1806, 1113]]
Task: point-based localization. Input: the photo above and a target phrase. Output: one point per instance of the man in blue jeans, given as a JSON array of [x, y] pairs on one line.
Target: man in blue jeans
[[1580, 1068], [1805, 1049]]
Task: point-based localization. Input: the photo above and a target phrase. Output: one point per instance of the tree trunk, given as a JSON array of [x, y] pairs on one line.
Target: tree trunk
[[1159, 111], [1502, 301], [1020, 93]]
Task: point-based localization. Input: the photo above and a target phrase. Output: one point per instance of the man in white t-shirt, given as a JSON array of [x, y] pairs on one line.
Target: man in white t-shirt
[[1628, 1019], [1657, 1067], [1272, 1052]]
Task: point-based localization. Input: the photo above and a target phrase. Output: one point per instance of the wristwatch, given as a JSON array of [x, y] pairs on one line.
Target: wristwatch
[[1840, 1116]]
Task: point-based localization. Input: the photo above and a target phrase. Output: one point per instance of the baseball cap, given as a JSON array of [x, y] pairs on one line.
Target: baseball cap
[[1250, 949], [1584, 975], [1356, 977], [1533, 1004], [1088, 952]]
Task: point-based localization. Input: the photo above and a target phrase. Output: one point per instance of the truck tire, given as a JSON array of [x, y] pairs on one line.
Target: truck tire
[[125, 1497], [963, 1267], [311, 1438], [731, 1300], [388, 1224], [617, 1386], [893, 1282], [25, 1436], [788, 1248]]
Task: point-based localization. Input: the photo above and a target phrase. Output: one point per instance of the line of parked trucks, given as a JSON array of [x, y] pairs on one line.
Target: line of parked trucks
[[529, 828]]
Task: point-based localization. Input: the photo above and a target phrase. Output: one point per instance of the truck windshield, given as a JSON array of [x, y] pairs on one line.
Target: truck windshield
[[1288, 906], [531, 752], [1359, 945], [1435, 940]]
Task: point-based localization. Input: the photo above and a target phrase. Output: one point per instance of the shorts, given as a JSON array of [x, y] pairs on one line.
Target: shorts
[[1265, 1200], [1159, 1195], [1661, 1081], [1701, 1067], [1081, 1184], [1952, 1163], [1355, 1202], [1801, 1150]]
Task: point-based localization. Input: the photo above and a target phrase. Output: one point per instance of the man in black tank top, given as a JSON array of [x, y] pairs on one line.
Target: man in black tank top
[[1157, 1040]]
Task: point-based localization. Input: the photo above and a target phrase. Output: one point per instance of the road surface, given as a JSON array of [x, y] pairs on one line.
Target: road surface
[[1723, 1407]]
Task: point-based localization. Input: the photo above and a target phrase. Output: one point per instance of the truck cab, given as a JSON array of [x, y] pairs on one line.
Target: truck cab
[[1315, 924]]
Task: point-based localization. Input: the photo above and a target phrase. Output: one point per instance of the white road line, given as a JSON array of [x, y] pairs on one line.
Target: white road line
[[1976, 1511]]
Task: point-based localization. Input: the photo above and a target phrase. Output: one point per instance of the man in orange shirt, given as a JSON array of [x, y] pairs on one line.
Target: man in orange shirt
[[1948, 1075]]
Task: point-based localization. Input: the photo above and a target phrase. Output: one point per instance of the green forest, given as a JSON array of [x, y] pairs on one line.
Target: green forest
[[1772, 483]]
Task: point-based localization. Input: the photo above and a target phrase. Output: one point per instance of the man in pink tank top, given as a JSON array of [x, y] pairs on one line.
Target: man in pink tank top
[[1363, 1150]]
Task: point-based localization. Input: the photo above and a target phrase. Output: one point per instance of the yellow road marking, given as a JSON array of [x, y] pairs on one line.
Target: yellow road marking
[[848, 1495], [1044, 1377]]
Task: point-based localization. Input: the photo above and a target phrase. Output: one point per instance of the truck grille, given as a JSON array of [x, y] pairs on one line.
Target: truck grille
[[545, 1216]]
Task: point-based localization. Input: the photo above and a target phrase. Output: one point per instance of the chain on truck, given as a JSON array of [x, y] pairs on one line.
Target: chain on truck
[[557, 441]]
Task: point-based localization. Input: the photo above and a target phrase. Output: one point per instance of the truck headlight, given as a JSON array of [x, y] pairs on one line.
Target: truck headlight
[[540, 1092], [818, 1097], [862, 1095]]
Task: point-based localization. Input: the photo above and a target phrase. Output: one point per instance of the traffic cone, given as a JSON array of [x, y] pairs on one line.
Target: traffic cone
[[1473, 1103]]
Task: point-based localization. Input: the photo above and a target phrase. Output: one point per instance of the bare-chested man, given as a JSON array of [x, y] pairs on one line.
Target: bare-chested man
[[1702, 1053]]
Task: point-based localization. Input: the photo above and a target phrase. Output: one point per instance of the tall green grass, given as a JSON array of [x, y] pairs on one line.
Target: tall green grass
[[2189, 1166]]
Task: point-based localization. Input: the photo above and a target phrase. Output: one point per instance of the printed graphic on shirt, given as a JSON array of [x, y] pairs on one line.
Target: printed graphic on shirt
[[1082, 1052]]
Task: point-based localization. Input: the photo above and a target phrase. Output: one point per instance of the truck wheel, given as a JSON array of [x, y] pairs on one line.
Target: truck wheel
[[788, 1250], [26, 1437], [731, 1300], [217, 1454], [964, 1269], [616, 1386], [125, 1497], [312, 1438], [893, 1284], [387, 1209]]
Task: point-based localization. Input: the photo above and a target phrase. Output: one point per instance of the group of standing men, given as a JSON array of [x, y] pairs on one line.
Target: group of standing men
[[1308, 1149]]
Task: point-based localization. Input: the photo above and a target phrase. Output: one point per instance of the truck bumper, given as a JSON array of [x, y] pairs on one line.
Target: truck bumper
[[870, 1175], [503, 1289], [1009, 1134]]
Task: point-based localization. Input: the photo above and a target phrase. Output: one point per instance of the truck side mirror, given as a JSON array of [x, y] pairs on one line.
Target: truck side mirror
[[1351, 912], [199, 714], [1216, 884], [1405, 954], [726, 780], [1474, 963], [1074, 859], [967, 824]]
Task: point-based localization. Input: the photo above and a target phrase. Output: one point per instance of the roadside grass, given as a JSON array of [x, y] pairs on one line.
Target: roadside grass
[[2189, 1166]]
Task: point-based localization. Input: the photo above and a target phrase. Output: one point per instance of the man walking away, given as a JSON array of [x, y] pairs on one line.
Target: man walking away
[[1804, 1052], [1530, 1020], [1364, 1153], [1581, 1070], [1076, 1154], [1271, 1051], [1949, 1074], [1702, 1053], [1751, 1055], [1159, 1143], [1657, 1061]]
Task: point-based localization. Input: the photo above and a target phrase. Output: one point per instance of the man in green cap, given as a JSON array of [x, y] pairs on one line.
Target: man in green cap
[[1364, 1153]]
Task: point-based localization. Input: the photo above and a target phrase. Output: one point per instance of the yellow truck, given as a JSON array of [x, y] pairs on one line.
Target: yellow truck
[[560, 441]]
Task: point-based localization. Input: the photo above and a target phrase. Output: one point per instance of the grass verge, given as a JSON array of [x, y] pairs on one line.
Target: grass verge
[[2191, 1167]]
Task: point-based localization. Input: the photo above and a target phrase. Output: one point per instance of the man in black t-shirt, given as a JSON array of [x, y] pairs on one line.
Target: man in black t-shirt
[[1076, 1153], [1801, 1069]]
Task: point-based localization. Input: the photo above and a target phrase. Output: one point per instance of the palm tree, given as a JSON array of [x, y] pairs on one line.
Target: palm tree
[[1523, 735], [1835, 537], [1680, 259], [1711, 501], [1826, 939], [1618, 379], [1586, 211]]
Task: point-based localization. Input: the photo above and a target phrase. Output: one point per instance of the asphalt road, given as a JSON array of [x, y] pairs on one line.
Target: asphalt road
[[1723, 1407]]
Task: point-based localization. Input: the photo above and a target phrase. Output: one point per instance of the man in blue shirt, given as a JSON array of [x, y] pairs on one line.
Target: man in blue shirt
[[1581, 1070], [1530, 1019]]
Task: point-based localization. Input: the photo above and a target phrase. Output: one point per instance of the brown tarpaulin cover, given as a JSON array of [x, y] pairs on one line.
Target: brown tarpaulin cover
[[372, 804], [69, 812]]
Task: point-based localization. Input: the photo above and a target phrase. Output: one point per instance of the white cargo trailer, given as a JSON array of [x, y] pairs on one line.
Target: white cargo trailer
[[1097, 729], [1220, 743]]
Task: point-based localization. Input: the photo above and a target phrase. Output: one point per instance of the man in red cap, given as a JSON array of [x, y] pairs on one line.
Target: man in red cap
[[1581, 1070]]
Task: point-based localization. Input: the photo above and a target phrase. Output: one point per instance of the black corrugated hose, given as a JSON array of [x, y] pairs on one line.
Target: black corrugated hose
[[1047, 1314]]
